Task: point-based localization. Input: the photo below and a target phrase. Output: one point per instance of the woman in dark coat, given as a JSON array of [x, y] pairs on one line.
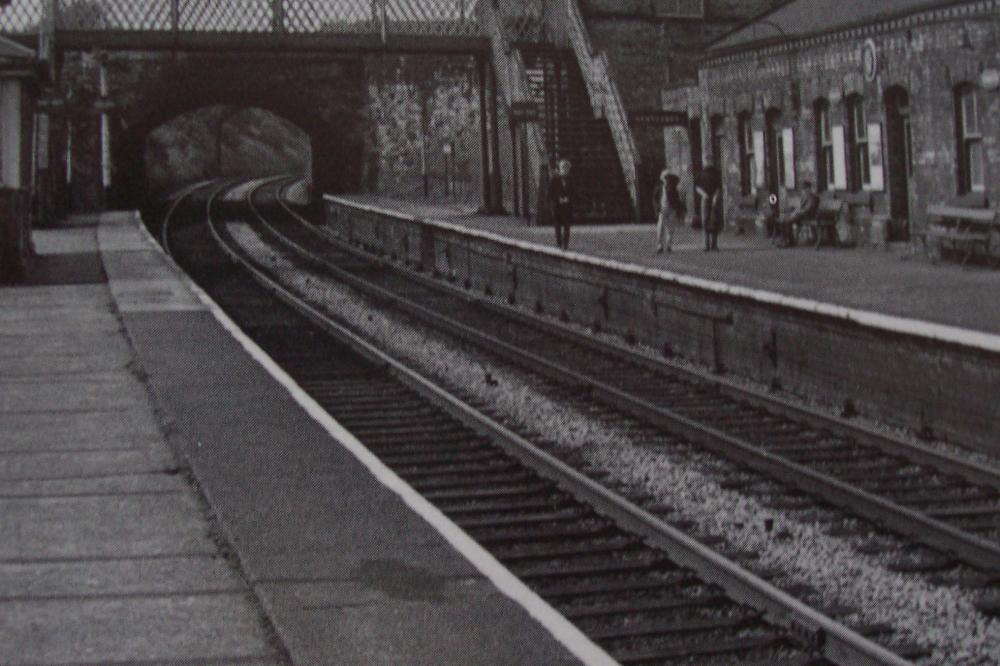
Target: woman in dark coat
[[561, 203]]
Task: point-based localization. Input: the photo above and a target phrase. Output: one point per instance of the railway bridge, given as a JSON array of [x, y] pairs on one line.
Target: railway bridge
[[117, 69], [547, 88]]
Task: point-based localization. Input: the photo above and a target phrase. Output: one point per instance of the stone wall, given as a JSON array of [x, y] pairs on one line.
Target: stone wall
[[415, 106], [812, 350]]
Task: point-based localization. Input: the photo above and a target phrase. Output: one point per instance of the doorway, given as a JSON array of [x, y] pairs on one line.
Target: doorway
[[899, 157], [774, 154], [694, 142]]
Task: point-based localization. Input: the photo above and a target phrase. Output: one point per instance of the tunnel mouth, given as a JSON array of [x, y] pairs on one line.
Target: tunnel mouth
[[222, 141]]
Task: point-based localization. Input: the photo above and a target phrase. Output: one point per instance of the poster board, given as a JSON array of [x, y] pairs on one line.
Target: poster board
[[839, 158], [788, 148], [758, 157], [875, 159]]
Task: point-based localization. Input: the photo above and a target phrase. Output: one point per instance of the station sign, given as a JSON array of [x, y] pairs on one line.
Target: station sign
[[523, 112], [659, 118]]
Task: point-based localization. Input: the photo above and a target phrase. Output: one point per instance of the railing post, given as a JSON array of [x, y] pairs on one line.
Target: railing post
[[484, 137], [175, 16], [278, 16]]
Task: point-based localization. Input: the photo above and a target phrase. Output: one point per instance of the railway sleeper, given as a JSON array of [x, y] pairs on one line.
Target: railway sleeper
[[609, 589], [524, 489], [644, 605], [577, 530], [527, 553], [522, 519], [561, 569], [445, 470], [738, 645], [538, 503], [666, 626], [464, 481], [443, 456]]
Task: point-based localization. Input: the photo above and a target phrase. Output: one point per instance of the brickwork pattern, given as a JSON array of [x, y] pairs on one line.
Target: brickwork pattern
[[929, 61]]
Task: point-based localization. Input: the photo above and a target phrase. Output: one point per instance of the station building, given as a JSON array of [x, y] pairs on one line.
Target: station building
[[891, 106], [18, 75]]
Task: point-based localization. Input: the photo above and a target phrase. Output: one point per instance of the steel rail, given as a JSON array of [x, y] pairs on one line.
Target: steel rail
[[974, 473], [968, 548], [832, 639]]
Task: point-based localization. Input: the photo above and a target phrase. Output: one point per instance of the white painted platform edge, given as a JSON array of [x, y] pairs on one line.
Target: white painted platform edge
[[977, 340], [575, 642]]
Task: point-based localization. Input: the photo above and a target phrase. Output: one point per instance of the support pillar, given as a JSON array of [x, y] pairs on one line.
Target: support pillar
[[496, 175], [484, 137]]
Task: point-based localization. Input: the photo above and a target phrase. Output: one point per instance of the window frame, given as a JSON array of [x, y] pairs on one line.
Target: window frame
[[825, 178], [968, 138], [859, 169], [744, 127]]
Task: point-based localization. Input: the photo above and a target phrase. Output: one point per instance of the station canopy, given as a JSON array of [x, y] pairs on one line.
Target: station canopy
[[804, 18]]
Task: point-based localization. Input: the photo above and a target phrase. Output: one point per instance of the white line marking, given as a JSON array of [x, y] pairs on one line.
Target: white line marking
[[561, 629]]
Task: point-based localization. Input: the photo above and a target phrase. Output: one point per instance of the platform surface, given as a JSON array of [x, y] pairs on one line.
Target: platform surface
[[138, 434], [894, 281], [106, 551]]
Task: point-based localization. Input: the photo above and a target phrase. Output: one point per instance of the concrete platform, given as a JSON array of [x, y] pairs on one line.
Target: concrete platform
[[106, 551], [113, 395], [892, 282]]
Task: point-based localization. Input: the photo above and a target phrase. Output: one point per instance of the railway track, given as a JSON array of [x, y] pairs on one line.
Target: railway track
[[948, 505], [640, 589]]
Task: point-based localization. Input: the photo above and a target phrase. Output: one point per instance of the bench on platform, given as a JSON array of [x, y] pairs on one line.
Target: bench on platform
[[823, 224], [744, 215], [964, 224]]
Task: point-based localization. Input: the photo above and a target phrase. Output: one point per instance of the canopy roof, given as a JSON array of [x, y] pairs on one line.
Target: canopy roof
[[802, 18]]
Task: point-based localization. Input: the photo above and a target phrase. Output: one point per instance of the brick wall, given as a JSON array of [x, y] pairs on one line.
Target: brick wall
[[928, 60]]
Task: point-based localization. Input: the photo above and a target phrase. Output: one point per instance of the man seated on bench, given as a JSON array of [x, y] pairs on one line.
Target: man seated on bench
[[806, 209]]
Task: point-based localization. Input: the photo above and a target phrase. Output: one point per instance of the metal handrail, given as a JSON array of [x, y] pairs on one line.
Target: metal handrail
[[605, 98], [512, 77]]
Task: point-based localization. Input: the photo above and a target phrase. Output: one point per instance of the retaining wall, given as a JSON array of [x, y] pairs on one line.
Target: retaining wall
[[914, 374]]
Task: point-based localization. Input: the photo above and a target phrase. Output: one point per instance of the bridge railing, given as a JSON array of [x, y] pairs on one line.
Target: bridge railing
[[395, 17], [605, 98], [512, 77]]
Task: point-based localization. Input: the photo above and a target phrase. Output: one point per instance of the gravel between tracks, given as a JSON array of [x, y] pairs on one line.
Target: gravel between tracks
[[939, 617]]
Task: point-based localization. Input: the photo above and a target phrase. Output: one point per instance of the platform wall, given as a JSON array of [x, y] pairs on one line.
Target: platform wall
[[812, 350]]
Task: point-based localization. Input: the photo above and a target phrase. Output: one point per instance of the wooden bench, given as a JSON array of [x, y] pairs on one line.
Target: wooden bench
[[823, 224], [744, 215], [960, 229]]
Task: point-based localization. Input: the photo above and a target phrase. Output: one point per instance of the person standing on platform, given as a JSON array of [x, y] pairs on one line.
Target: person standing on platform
[[708, 186], [671, 210], [561, 202]]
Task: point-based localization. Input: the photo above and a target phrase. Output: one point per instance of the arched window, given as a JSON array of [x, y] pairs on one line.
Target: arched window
[[857, 144], [971, 172], [747, 175], [824, 146]]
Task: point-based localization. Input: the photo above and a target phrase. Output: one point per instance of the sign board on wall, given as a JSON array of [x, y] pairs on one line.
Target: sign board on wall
[[877, 168], [10, 133], [788, 148], [758, 157], [839, 158], [659, 118]]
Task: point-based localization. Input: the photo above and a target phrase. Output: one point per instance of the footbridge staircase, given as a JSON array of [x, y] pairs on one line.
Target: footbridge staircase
[[557, 93]]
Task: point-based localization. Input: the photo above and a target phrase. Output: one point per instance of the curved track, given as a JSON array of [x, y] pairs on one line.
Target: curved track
[[639, 588], [938, 500]]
